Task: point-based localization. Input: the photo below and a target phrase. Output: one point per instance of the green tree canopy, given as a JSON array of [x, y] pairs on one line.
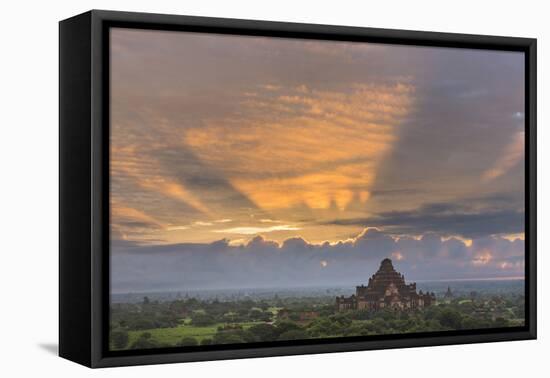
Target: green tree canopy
[[188, 341]]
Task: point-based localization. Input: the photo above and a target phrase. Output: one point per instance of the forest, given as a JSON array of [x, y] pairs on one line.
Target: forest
[[189, 321]]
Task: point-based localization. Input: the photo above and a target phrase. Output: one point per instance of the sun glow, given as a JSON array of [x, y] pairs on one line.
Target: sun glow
[[273, 156]]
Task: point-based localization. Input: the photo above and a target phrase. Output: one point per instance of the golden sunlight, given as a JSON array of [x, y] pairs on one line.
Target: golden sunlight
[[316, 149]]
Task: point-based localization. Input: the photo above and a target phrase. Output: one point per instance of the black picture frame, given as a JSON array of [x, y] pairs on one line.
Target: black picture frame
[[84, 186]]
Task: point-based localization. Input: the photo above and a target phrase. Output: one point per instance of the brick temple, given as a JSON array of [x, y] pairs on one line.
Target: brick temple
[[386, 289]]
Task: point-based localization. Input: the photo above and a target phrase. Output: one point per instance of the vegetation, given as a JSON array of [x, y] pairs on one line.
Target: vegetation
[[190, 322]]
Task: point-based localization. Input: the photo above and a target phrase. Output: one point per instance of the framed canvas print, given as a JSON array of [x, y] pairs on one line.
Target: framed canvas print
[[233, 188]]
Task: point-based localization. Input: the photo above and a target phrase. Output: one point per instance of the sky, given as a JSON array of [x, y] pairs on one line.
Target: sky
[[258, 162]]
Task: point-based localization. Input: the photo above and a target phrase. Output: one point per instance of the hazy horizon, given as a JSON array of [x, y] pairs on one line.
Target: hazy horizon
[[332, 289], [348, 285]]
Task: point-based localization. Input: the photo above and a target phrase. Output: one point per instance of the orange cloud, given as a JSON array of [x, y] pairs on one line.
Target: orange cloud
[[176, 191], [128, 222], [483, 257], [147, 174], [511, 156], [303, 146], [119, 212], [467, 241], [513, 237], [398, 256], [257, 230]]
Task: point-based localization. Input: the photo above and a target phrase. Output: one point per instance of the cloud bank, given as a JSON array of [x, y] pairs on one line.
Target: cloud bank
[[264, 263]]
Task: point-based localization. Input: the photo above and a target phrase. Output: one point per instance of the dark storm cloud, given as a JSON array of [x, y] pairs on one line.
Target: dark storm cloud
[[428, 220], [462, 218]]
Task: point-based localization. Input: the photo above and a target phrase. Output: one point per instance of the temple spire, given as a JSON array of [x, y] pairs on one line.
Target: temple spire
[[386, 289]]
